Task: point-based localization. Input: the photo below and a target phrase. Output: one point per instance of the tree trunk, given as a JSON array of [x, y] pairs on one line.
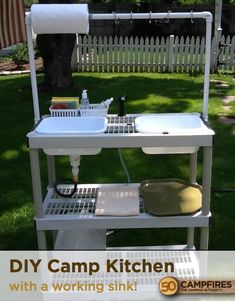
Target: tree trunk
[[56, 51]]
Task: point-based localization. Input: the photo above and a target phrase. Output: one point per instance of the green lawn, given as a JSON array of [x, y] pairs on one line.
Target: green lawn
[[146, 93]]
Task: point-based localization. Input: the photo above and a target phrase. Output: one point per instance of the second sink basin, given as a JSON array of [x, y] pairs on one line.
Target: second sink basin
[[169, 124]]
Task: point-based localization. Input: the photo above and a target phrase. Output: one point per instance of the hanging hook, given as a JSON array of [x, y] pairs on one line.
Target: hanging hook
[[115, 18], [131, 17], [150, 17], [192, 21], [167, 20]]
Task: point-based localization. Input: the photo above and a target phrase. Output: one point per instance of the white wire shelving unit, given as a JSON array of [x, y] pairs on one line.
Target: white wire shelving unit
[[73, 219]]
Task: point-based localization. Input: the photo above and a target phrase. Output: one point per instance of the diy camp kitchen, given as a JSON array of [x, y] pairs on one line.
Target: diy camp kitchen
[[113, 265]]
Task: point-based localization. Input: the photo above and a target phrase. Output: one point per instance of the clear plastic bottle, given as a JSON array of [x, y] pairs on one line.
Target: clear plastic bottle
[[85, 99]]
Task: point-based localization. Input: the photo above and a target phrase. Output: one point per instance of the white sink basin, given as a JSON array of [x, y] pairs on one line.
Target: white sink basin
[[72, 126], [168, 123], [172, 123]]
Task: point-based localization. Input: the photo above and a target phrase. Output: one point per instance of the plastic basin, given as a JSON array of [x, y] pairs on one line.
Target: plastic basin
[[72, 126], [170, 124]]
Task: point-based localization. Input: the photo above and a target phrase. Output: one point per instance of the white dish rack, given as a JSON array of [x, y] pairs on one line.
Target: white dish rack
[[95, 109], [64, 112]]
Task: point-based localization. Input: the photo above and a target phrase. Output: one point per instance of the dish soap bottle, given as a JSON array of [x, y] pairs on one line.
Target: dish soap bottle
[[85, 99]]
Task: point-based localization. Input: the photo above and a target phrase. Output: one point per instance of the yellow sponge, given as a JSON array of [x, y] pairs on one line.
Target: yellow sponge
[[71, 102]]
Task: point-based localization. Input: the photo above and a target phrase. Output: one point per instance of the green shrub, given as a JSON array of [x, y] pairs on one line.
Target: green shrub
[[20, 54], [28, 3]]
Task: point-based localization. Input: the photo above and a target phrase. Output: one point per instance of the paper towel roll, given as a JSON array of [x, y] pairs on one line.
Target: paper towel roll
[[60, 18]]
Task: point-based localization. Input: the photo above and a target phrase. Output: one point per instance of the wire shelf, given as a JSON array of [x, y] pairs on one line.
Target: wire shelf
[[81, 203], [79, 212], [121, 125], [186, 267]]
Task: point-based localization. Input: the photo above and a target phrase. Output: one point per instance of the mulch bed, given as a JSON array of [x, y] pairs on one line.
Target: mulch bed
[[8, 65]]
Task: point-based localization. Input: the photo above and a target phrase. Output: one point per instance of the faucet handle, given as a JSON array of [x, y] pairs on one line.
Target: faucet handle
[[123, 98], [121, 101]]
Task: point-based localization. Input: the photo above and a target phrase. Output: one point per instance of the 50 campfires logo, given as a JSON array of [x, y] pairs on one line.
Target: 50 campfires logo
[[170, 286]]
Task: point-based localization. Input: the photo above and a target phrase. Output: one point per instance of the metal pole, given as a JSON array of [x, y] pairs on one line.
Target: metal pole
[[217, 31], [218, 15], [150, 15], [207, 68], [32, 68]]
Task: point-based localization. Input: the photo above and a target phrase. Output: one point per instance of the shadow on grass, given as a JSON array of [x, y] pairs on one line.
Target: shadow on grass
[[165, 93]]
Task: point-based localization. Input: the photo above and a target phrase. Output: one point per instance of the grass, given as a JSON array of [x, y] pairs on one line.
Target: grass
[[146, 93]]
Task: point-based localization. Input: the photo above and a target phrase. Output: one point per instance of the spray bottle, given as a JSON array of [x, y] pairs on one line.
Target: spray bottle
[[106, 102]]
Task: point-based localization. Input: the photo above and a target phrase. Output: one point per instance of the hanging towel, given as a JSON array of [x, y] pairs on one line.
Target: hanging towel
[[118, 201]]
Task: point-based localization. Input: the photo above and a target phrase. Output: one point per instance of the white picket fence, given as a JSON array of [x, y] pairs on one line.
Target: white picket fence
[[171, 54]]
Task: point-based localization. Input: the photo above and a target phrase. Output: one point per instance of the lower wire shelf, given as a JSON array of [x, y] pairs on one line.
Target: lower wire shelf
[[187, 266], [79, 212]]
